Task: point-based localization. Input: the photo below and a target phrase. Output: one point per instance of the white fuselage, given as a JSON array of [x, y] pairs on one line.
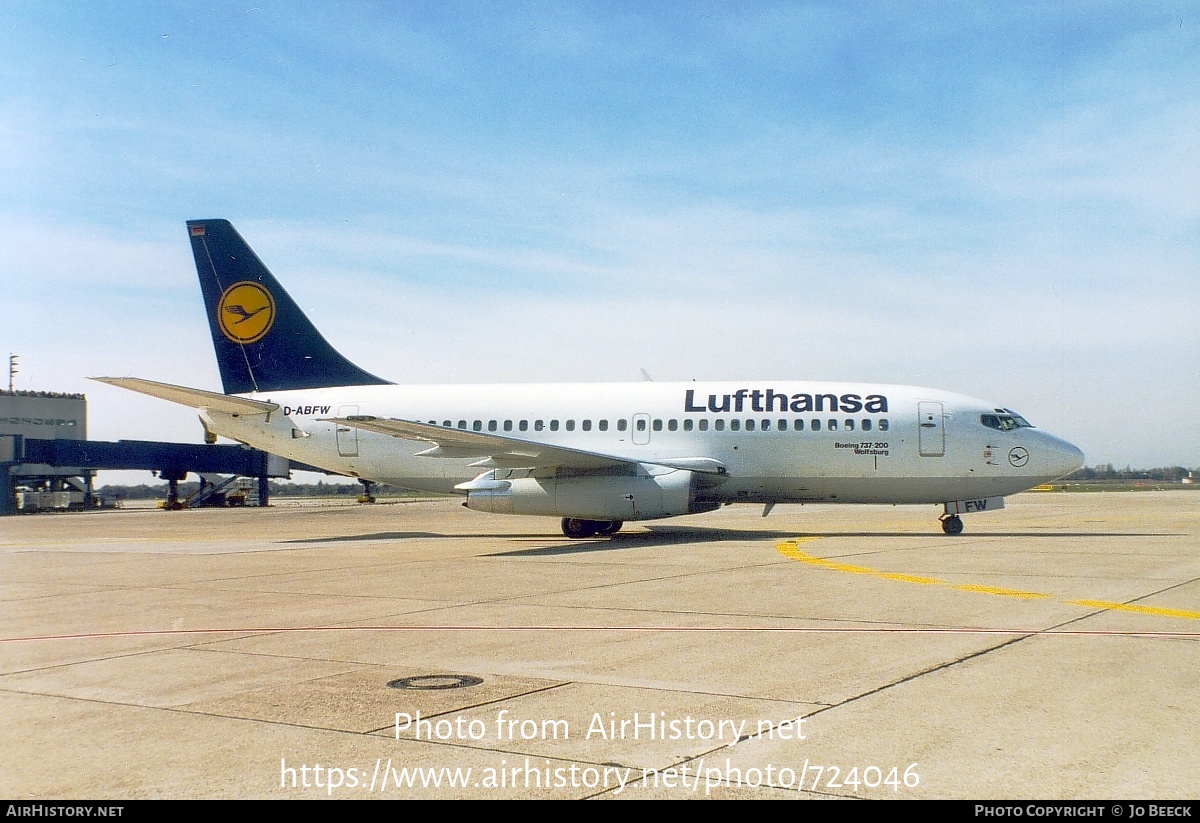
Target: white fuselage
[[779, 441]]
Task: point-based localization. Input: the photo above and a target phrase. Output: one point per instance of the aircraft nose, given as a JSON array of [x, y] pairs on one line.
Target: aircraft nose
[[1066, 457]]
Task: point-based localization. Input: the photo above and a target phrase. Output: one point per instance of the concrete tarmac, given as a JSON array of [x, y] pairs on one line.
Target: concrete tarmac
[[1051, 651]]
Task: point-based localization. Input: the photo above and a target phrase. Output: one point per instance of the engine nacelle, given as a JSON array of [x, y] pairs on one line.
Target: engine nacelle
[[592, 497]]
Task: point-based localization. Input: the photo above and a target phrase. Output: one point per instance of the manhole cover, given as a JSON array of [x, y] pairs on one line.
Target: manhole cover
[[431, 682]]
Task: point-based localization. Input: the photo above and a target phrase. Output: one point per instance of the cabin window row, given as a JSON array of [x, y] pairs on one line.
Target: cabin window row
[[641, 424]]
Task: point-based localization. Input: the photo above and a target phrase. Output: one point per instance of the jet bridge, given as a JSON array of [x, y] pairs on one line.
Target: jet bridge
[[171, 461]]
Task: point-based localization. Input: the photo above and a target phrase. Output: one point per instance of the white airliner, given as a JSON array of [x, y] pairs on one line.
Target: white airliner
[[595, 455]]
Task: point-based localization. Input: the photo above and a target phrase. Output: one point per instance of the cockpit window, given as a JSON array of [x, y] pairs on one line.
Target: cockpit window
[[1021, 421], [1005, 420]]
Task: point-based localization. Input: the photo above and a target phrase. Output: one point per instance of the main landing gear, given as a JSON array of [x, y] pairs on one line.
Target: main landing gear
[[577, 529], [952, 524]]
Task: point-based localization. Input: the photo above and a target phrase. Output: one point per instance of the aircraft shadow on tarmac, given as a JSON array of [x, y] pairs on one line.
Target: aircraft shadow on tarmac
[[674, 535], [348, 538]]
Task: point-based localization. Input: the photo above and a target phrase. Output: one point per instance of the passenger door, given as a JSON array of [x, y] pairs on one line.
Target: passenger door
[[347, 437], [932, 431]]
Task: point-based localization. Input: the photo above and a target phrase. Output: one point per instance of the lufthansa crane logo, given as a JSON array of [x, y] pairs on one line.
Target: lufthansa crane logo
[[1018, 456], [246, 312]]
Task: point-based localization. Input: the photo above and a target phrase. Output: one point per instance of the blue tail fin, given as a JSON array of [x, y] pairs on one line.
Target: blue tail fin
[[262, 338]]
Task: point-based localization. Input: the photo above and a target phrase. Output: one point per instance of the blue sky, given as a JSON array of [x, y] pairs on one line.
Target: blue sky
[[999, 199]]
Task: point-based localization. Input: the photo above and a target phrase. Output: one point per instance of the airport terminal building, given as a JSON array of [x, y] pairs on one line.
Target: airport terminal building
[[36, 415]]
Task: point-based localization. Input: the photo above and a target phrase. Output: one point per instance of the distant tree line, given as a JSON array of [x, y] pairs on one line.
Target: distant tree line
[[1106, 471]]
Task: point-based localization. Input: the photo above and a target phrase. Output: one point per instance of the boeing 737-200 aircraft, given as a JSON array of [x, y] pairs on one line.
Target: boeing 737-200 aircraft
[[595, 455]]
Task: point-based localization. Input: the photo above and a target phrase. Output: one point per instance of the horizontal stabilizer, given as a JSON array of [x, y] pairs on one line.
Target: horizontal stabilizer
[[195, 398]]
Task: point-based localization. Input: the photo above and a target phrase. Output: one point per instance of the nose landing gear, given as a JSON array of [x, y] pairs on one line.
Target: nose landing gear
[[951, 524]]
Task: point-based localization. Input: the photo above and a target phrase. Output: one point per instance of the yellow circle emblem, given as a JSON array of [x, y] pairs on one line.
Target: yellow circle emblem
[[246, 312]]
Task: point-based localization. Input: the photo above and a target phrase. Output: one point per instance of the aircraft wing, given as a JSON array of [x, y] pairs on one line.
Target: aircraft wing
[[196, 398], [500, 452]]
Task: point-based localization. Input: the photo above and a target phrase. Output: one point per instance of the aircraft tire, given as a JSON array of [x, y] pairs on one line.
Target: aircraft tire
[[952, 524], [577, 529], [609, 527]]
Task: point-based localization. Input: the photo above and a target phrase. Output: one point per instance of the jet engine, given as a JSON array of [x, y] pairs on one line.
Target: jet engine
[[607, 497]]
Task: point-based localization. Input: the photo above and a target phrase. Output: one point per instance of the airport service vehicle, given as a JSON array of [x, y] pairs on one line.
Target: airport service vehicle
[[595, 455]]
